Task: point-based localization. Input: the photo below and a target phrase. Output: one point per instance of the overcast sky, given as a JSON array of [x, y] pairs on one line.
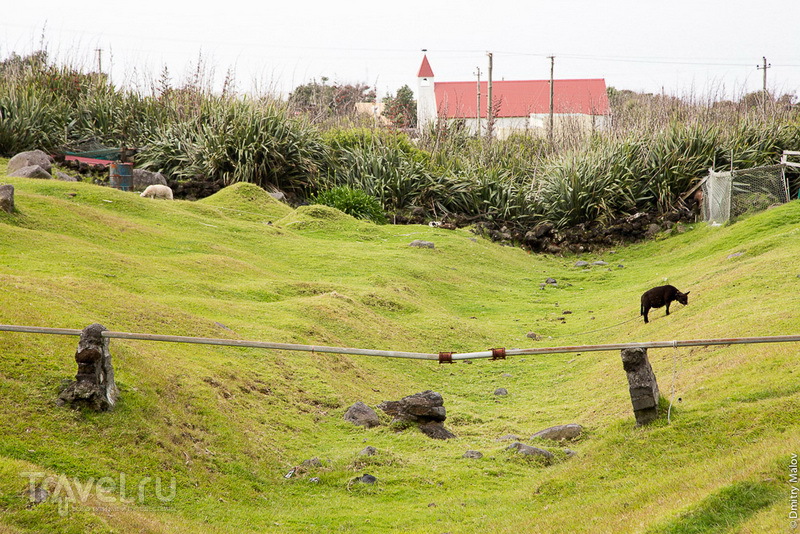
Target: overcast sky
[[681, 47]]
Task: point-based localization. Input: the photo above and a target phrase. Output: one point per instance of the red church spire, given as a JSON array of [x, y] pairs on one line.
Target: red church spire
[[425, 70]]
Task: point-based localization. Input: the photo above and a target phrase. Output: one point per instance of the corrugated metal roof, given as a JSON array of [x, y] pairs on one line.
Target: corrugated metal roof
[[521, 98]]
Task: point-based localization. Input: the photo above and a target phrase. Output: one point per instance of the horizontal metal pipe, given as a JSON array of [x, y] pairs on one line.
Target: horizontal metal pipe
[[410, 355]]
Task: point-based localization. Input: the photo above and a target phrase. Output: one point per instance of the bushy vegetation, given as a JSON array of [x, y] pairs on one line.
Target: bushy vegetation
[[353, 202], [656, 148]]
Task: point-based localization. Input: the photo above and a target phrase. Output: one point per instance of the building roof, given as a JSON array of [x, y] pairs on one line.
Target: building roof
[[425, 70], [521, 98]]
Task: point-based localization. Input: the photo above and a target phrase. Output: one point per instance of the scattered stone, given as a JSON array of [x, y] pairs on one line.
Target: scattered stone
[[570, 453], [735, 255], [7, 198], [536, 337], [652, 230], [551, 281], [530, 451], [314, 480], [436, 430], [37, 495], [312, 462], [581, 263], [31, 171], [599, 262], [426, 409], [566, 312], [560, 432], [64, 177], [94, 385], [507, 375], [29, 159], [421, 244], [361, 414], [542, 285], [508, 437], [501, 391], [222, 326], [620, 266], [143, 178], [368, 451], [367, 479], [473, 455]]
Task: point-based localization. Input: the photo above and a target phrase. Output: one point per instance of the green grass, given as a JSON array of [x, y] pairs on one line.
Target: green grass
[[228, 423]]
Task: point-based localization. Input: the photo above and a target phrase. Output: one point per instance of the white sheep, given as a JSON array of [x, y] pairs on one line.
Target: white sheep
[[157, 191]]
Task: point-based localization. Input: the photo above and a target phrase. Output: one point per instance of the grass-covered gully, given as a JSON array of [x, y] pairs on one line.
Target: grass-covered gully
[[202, 438], [208, 438]]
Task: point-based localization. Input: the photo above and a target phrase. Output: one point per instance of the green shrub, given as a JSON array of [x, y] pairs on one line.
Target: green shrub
[[353, 202]]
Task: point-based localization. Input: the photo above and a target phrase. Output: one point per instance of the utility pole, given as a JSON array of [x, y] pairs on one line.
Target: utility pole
[[764, 94], [552, 68], [99, 59], [478, 106], [489, 111]]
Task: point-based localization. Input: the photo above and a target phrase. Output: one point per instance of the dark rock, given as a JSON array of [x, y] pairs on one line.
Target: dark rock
[[142, 178], [94, 385], [421, 244], [652, 230], [530, 451], [566, 312], [534, 336], [37, 495], [425, 409], [560, 432], [367, 479], [368, 451], [31, 171], [436, 430], [7, 198], [28, 159], [501, 391], [420, 407], [642, 384], [361, 414], [570, 453], [64, 177], [551, 281], [473, 455], [312, 462]]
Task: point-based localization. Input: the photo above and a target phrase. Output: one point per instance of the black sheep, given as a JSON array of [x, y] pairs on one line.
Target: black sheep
[[662, 296]]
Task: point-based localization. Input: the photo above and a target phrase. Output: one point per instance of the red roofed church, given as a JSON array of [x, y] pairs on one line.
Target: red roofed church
[[517, 105]]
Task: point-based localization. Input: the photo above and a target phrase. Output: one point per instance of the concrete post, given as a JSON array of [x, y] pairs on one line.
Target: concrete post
[[642, 385], [7, 198]]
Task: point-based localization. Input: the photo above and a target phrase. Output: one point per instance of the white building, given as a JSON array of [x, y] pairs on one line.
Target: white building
[[517, 105]]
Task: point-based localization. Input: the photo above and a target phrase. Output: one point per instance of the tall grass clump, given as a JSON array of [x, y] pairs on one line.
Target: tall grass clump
[[354, 202]]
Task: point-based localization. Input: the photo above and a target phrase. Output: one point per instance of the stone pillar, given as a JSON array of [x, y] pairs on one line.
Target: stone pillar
[[642, 385], [7, 197], [94, 385]]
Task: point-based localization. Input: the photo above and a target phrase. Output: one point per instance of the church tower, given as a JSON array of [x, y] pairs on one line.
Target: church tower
[[426, 97]]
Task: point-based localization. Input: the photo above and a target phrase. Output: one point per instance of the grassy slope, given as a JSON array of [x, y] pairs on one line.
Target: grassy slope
[[229, 423]]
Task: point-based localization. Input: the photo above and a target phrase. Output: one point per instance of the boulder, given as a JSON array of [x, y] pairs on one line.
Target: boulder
[[366, 479], [31, 171], [473, 455], [7, 197], [501, 392], [426, 409], [560, 432], [361, 414], [142, 178], [368, 451], [527, 450], [418, 243], [28, 159]]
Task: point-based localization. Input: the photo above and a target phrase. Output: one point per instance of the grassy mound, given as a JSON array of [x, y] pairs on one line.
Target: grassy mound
[[248, 202], [225, 426]]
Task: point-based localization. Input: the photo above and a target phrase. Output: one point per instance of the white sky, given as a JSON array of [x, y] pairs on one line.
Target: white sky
[[683, 47]]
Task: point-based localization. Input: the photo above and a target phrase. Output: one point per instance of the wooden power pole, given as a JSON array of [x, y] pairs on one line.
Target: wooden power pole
[[552, 68], [478, 106], [489, 110], [764, 88]]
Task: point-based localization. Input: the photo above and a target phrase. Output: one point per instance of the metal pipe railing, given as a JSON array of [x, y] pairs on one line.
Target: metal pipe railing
[[408, 355]]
